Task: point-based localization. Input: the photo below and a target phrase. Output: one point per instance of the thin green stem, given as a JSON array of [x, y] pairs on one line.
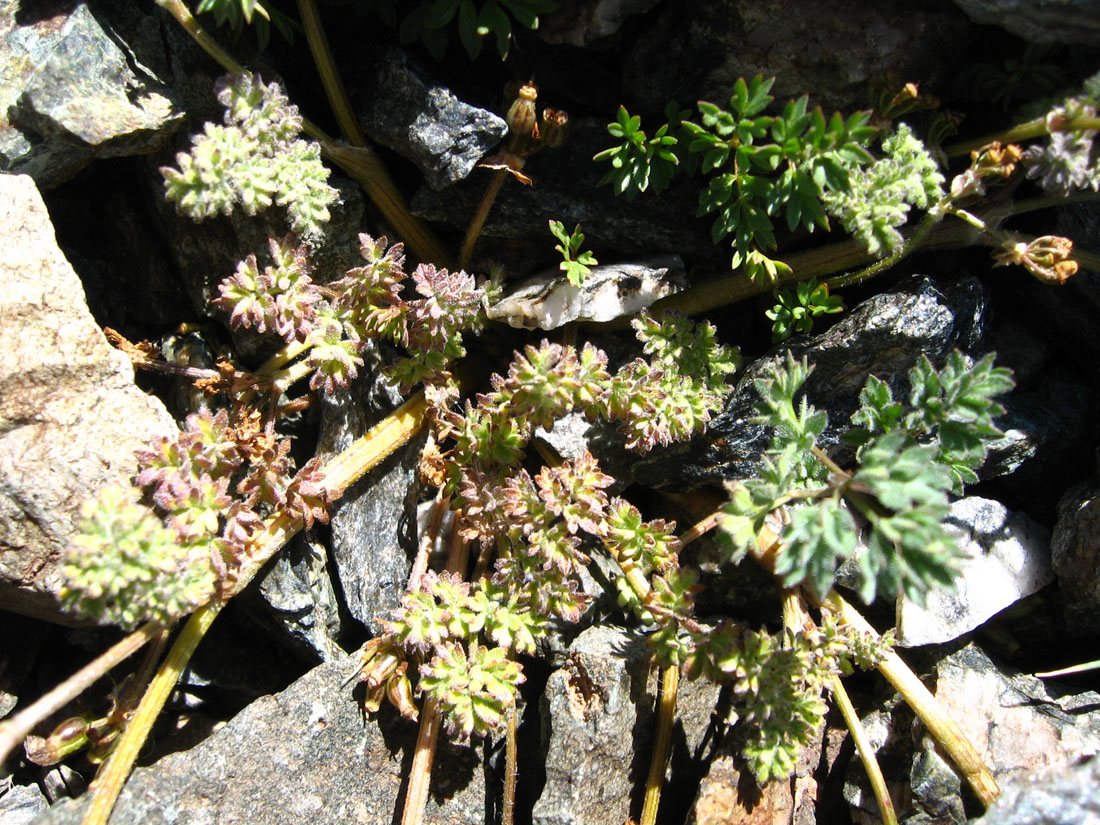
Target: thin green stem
[[866, 753], [283, 357], [662, 744], [112, 776], [14, 729], [915, 240]]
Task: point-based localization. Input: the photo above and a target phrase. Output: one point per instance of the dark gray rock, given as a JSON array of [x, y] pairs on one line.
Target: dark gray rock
[[374, 524], [71, 91], [1075, 556], [1064, 796], [302, 755], [1040, 21], [590, 21], [829, 50], [20, 804], [598, 721], [1007, 558], [70, 415], [297, 588], [402, 107], [884, 336]]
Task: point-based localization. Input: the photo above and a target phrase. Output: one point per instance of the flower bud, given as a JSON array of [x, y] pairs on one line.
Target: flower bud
[[555, 124], [522, 117]]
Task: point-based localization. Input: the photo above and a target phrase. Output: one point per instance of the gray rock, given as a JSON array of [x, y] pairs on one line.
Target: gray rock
[[70, 92], [1008, 558], [1064, 796], [1075, 556], [70, 415], [1040, 21], [374, 524], [302, 755], [403, 108], [297, 588], [584, 23], [1017, 724], [884, 336], [829, 50], [20, 804], [598, 720]]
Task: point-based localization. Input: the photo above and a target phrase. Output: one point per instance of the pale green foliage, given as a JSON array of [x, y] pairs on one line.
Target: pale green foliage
[[879, 196], [908, 461], [253, 161], [575, 262], [1071, 161], [125, 567], [474, 689]]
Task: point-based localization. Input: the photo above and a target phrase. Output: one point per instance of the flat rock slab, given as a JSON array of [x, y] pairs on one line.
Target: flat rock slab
[[70, 415], [301, 756]]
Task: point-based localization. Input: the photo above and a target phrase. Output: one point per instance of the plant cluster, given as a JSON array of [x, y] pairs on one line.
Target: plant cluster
[[170, 543], [1069, 162], [908, 459], [795, 309], [761, 167], [253, 160]]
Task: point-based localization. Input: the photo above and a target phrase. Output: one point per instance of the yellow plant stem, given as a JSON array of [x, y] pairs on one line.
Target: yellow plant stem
[[108, 783], [866, 753], [360, 162], [662, 745], [14, 729], [928, 709], [511, 771], [431, 719]]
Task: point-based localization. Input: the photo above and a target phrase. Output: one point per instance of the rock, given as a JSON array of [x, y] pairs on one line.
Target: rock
[[697, 51], [70, 415], [1075, 556], [548, 300], [1017, 724], [374, 524], [884, 336], [1040, 21], [297, 589], [598, 720], [1008, 558], [402, 107], [20, 804], [302, 755], [584, 23], [71, 91], [1064, 796]]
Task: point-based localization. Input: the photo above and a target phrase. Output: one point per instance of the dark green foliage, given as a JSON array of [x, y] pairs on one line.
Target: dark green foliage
[[795, 309]]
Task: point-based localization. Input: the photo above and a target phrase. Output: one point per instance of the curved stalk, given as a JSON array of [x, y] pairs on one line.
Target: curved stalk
[[473, 231], [928, 709], [108, 783], [866, 753], [911, 244], [662, 744], [14, 729], [330, 77]]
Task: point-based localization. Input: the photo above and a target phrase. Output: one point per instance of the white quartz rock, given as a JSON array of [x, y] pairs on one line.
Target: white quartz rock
[[1007, 558], [548, 300]]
